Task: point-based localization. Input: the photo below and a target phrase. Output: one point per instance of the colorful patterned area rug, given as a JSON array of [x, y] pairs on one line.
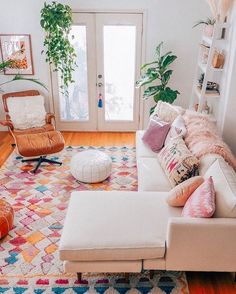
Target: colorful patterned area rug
[[29, 261]]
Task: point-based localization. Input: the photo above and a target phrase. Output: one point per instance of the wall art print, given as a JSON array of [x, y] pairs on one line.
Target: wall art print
[[18, 49]]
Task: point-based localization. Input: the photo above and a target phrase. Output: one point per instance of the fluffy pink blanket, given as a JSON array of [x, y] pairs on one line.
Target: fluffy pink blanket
[[202, 138]]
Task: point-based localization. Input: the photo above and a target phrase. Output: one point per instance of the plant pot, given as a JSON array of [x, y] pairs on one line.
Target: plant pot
[[208, 30]]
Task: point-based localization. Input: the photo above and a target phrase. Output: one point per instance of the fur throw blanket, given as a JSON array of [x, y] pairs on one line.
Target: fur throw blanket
[[202, 138]]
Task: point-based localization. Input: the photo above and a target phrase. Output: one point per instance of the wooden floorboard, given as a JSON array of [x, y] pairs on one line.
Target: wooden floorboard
[[199, 283]]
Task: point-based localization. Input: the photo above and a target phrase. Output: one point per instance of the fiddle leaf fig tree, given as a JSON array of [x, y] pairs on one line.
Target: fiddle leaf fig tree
[[157, 75], [56, 20]]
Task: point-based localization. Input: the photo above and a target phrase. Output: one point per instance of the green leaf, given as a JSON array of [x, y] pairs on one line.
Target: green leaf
[[21, 78], [158, 49], [146, 79], [166, 76], [152, 109], [147, 64], [167, 60], [150, 91]]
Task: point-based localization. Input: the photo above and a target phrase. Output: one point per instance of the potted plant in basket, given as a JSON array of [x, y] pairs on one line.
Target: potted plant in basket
[[158, 70]]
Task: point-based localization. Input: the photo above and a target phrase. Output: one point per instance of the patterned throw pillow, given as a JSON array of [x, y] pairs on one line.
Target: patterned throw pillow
[[155, 135], [202, 202], [177, 129], [178, 162]]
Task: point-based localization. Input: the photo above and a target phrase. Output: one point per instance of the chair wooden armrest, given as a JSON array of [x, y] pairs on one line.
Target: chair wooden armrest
[[49, 117], [7, 123]]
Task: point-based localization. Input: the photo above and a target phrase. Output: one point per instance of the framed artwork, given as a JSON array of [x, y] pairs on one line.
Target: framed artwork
[[18, 49]]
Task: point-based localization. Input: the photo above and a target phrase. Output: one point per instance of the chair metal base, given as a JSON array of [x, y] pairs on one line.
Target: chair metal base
[[39, 161]]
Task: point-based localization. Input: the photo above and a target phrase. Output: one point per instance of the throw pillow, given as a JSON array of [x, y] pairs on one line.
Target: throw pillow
[[156, 133], [27, 112], [167, 111], [178, 162], [224, 178], [177, 129], [202, 202], [180, 194]]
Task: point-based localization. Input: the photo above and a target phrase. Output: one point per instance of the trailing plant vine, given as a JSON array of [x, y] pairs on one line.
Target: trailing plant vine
[[56, 20]]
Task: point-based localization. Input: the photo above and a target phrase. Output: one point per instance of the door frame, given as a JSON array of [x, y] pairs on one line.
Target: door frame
[[53, 81]]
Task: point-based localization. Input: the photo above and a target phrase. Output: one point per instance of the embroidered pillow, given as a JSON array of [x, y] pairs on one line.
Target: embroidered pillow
[[155, 135], [177, 129], [180, 194], [178, 162], [202, 202]]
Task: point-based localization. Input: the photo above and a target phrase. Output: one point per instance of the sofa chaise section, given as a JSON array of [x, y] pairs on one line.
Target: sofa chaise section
[[114, 230]]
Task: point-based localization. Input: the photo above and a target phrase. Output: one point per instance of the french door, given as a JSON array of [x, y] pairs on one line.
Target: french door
[[103, 97]]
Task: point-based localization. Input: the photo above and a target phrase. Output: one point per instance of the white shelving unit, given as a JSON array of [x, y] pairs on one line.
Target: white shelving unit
[[200, 95]]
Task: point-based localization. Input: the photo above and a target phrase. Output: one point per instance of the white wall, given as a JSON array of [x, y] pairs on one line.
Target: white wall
[[228, 125], [170, 21]]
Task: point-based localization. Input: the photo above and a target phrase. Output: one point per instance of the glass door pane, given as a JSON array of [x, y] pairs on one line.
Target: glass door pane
[[76, 106], [119, 71]]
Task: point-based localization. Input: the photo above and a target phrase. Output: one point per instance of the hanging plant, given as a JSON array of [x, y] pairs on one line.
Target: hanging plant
[[56, 20]]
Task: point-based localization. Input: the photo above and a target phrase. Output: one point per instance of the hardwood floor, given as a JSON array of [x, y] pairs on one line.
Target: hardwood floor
[[199, 283]]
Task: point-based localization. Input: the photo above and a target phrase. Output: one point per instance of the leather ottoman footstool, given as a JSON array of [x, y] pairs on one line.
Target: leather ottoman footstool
[[91, 166], [114, 231], [6, 218]]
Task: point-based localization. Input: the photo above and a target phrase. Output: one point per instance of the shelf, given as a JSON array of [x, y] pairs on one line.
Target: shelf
[[206, 95], [207, 40], [213, 69]]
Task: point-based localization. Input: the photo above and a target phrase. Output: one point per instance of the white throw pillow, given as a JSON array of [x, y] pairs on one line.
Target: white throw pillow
[[27, 112], [167, 111], [224, 178], [177, 129]]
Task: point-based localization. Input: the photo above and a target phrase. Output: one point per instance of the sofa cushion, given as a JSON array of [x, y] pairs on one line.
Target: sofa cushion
[[115, 226], [155, 134], [151, 176], [224, 178], [141, 149], [180, 194], [178, 162], [202, 201], [167, 111], [206, 161]]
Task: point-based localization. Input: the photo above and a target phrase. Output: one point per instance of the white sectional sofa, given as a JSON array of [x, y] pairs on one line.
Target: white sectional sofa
[[194, 244], [131, 231]]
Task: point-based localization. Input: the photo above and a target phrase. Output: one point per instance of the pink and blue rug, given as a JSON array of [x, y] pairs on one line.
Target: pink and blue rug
[[29, 261]]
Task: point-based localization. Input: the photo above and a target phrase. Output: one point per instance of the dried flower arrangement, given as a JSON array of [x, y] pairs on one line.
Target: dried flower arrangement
[[220, 8]]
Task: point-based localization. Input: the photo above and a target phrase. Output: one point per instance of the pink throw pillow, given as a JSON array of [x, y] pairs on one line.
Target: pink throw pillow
[[202, 202], [155, 135], [179, 195]]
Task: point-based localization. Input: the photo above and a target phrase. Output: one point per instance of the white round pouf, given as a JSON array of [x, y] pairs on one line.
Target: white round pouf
[[91, 166]]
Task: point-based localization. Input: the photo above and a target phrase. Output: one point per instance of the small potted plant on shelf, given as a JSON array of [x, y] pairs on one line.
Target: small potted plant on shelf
[[209, 26], [158, 70]]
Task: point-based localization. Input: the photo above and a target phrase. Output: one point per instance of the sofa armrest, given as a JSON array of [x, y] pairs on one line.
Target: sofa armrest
[[7, 123], [195, 244], [49, 117]]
